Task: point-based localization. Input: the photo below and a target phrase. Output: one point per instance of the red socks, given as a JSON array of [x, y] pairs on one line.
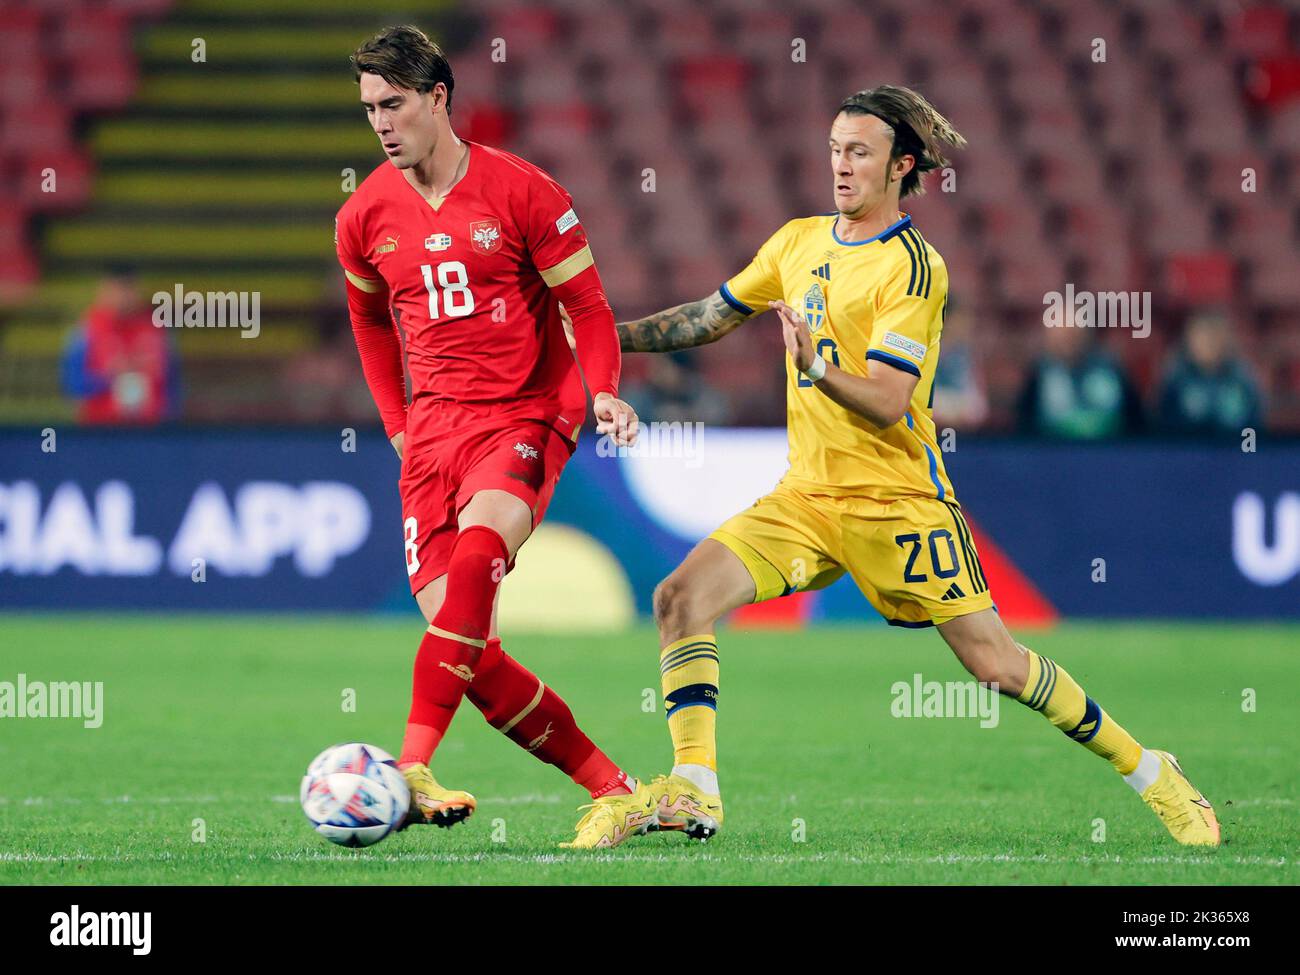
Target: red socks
[[534, 717], [449, 653], [457, 659]]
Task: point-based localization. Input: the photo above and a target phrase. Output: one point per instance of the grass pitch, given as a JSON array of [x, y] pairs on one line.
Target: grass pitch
[[215, 718]]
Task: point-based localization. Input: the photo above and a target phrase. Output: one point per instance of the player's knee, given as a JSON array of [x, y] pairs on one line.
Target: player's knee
[[678, 603], [990, 664], [665, 600]]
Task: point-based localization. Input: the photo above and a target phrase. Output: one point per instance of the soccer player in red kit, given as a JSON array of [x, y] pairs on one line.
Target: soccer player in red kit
[[473, 248]]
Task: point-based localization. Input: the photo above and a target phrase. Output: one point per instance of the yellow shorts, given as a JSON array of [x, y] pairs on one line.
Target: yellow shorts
[[914, 558]]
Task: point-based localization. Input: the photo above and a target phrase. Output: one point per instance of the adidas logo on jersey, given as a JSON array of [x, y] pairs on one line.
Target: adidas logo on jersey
[[824, 271], [954, 592]]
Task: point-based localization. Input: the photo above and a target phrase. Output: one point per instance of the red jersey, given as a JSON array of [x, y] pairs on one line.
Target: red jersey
[[469, 279]]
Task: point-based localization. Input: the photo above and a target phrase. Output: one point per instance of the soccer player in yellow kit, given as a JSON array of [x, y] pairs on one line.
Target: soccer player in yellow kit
[[861, 298]]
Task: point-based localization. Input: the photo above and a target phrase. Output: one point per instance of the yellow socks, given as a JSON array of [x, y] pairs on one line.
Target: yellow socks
[[689, 670], [1052, 691]]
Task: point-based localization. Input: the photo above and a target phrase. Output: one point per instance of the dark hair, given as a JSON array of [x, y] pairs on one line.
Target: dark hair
[[919, 130], [405, 58]]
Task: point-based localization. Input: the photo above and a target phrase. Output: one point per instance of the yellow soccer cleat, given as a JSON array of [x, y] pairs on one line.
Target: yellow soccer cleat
[[1186, 813], [680, 805], [431, 803], [612, 819]]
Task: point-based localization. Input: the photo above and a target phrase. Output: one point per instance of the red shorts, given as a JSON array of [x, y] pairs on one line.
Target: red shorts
[[458, 453]]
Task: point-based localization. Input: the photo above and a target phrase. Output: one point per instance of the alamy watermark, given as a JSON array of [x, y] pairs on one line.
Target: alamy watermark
[[945, 699], [1098, 309], [75, 928], [179, 308], [660, 439], [53, 699]]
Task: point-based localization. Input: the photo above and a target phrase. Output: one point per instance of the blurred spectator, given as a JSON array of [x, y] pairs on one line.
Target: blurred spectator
[[959, 398], [1076, 391], [674, 390], [117, 364], [1207, 389]]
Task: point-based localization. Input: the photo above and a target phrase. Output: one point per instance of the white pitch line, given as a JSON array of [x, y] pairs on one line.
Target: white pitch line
[[612, 858], [524, 800], [551, 799]]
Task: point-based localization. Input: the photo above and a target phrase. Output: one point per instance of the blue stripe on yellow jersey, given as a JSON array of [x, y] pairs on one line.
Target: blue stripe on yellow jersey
[[870, 304]]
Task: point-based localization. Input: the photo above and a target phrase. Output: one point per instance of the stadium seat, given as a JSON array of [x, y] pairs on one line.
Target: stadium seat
[[1127, 170], [1205, 278]]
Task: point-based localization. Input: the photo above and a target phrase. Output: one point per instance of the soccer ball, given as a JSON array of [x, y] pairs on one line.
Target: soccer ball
[[354, 795]]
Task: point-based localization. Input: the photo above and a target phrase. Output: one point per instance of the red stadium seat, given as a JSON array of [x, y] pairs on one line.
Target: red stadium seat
[[712, 88], [140, 8], [22, 32], [688, 32], [93, 31], [18, 267], [73, 174], [528, 32], [486, 122], [1275, 283], [39, 126], [1259, 31], [1204, 278], [24, 77], [102, 84], [1275, 82]]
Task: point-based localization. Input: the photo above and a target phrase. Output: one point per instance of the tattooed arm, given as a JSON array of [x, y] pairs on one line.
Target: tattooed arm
[[694, 323]]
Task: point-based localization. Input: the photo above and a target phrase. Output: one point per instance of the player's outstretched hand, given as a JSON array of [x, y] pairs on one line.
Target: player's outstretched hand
[[798, 340], [615, 418]]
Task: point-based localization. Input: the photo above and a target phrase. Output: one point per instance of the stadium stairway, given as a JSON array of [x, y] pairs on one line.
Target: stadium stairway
[[223, 174]]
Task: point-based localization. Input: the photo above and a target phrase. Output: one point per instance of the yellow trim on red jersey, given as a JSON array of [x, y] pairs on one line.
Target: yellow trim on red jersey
[[570, 267], [368, 285]]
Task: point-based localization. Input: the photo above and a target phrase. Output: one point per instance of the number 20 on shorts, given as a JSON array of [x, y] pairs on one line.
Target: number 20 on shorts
[[944, 565]]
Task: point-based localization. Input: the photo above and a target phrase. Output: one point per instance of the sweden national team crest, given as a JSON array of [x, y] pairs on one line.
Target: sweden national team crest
[[485, 235], [814, 307]]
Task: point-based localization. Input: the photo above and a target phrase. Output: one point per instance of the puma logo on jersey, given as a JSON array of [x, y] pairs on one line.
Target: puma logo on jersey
[[541, 739], [460, 670], [389, 247], [525, 451]]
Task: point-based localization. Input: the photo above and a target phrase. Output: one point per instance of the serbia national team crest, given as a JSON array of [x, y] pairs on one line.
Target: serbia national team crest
[[485, 235], [814, 307]]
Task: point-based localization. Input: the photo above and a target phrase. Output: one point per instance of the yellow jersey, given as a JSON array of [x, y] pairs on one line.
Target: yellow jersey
[[879, 299]]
